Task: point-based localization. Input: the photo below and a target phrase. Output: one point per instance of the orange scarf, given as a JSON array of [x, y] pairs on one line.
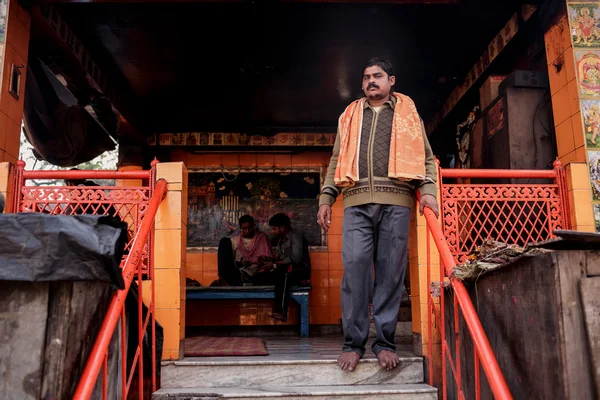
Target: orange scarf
[[407, 149]]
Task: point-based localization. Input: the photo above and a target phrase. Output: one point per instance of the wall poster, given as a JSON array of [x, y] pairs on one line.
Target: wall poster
[[217, 199]]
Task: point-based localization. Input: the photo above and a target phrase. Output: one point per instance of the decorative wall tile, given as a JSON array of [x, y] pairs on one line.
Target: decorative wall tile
[[178, 139], [597, 216], [584, 18], [594, 165], [192, 139], [217, 139], [241, 139], [204, 139], [164, 139], [231, 139], [588, 71], [591, 122]]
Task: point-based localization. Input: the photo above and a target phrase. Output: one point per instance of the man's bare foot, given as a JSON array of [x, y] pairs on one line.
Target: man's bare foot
[[348, 361], [388, 359]]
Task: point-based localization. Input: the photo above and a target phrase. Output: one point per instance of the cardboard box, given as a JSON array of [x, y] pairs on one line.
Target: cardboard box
[[488, 92]]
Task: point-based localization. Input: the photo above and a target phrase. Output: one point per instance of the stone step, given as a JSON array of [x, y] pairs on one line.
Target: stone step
[[196, 372], [344, 392]]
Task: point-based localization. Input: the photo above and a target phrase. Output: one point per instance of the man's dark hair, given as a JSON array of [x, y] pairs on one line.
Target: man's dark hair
[[280, 219], [246, 219], [385, 65], [76, 182]]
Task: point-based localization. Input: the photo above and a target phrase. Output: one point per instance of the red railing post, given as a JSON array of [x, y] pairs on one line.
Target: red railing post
[[152, 182], [443, 330], [18, 185], [480, 340], [123, 354], [477, 382], [429, 307], [131, 204], [132, 265], [561, 181], [105, 377]]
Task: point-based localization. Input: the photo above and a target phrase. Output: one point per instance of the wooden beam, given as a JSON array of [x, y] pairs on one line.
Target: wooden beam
[[81, 64], [432, 2]]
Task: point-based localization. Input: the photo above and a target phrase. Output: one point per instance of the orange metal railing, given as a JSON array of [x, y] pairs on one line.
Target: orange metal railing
[[518, 213], [99, 355], [136, 205], [470, 213]]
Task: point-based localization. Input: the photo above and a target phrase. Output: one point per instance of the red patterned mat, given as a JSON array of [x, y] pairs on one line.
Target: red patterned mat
[[204, 346]]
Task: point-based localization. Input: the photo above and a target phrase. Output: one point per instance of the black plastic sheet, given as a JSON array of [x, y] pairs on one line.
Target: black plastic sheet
[[37, 247]]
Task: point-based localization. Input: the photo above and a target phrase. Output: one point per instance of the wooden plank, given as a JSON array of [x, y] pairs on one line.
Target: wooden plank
[[570, 240], [76, 311], [576, 358], [593, 263], [590, 296], [23, 315], [242, 289], [588, 237], [517, 308]]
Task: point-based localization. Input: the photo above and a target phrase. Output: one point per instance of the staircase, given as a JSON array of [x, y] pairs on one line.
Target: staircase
[[295, 369]]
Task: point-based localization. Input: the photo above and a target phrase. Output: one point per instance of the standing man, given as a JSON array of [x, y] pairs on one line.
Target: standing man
[[380, 157]]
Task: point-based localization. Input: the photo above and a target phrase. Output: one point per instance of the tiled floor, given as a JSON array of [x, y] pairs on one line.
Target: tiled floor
[[314, 348]]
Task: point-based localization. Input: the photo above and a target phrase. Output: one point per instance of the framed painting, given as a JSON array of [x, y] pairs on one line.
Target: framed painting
[[217, 199]]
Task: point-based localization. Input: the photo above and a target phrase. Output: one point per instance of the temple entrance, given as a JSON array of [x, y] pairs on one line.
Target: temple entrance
[[247, 95]]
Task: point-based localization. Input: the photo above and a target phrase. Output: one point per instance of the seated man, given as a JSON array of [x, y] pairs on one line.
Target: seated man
[[291, 265], [242, 255]]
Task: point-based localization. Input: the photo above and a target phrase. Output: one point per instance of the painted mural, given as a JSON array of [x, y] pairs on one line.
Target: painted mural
[[240, 139], [591, 122], [588, 70], [3, 23], [594, 164], [584, 24], [217, 200]]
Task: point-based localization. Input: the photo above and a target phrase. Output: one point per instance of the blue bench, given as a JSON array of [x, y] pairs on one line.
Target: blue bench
[[297, 293]]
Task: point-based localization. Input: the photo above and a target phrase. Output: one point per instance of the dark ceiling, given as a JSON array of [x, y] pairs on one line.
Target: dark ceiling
[[256, 67]]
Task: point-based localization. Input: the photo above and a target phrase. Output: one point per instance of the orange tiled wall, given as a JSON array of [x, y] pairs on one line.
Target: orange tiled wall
[[11, 109], [566, 48], [564, 92], [325, 306]]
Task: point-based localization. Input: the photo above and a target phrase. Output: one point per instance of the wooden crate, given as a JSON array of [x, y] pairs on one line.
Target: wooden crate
[[47, 331], [534, 317]]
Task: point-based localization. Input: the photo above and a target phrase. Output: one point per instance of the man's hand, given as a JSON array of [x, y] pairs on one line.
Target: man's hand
[[264, 259], [266, 268], [324, 217], [430, 201]]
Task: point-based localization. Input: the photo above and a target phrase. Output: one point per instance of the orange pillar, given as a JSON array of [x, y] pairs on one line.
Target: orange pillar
[[420, 260], [169, 258], [14, 48], [572, 59]]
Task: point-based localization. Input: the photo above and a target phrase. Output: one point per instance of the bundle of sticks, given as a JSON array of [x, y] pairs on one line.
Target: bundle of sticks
[[491, 255]]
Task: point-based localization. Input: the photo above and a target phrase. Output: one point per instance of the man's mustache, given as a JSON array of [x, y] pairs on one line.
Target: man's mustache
[[372, 85]]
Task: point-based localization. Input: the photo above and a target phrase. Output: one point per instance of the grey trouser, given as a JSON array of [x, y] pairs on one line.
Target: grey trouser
[[373, 234]]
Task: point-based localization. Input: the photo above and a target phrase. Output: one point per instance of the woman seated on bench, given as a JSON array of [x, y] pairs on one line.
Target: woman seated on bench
[[241, 257]]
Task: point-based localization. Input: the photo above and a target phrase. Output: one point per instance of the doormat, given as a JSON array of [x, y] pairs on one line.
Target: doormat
[[204, 346]]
